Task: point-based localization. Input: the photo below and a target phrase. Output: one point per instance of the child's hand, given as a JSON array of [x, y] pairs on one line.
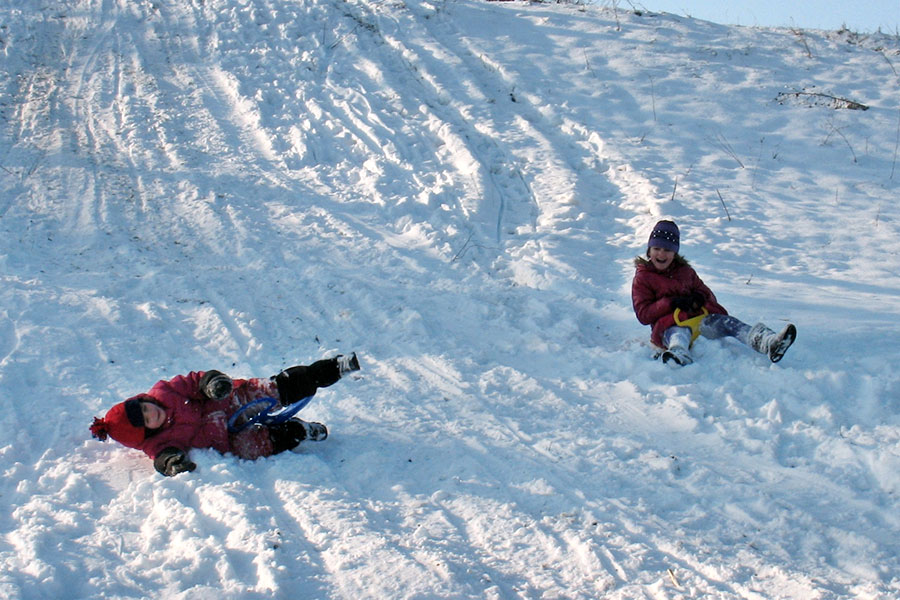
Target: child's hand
[[699, 300], [692, 303], [685, 303], [180, 466], [173, 461], [215, 385]]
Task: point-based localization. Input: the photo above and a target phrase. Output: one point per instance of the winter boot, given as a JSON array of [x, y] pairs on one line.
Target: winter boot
[[765, 341], [315, 432], [677, 356], [678, 341], [348, 363], [289, 434]]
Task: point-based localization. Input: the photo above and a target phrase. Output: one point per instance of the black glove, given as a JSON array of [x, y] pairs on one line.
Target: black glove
[[699, 300], [685, 303], [215, 385], [173, 461]]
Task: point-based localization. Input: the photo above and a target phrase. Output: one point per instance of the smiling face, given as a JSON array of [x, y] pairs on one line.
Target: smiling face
[[154, 416], [661, 258]]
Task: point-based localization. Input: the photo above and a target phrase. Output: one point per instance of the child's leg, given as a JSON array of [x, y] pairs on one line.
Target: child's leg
[[764, 340], [759, 337], [717, 326], [678, 342], [296, 383], [288, 435], [677, 336]]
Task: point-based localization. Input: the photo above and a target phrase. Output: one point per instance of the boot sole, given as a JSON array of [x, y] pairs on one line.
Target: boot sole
[[318, 435], [787, 338], [669, 357]]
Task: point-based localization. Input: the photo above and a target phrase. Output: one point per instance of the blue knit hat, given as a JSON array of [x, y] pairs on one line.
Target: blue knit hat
[[665, 235]]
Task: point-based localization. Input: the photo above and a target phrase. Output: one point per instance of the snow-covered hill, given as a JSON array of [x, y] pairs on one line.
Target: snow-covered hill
[[455, 190]]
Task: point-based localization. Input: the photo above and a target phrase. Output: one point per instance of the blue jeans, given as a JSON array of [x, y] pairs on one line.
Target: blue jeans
[[713, 327]]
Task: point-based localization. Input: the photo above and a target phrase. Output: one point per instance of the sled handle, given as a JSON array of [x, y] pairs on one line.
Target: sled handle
[[265, 416], [693, 323]]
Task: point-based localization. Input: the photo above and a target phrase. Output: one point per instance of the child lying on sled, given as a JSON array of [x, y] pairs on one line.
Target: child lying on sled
[[193, 411]]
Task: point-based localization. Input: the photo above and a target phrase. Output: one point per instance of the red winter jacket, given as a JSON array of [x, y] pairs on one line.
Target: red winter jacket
[[194, 421], [652, 292]]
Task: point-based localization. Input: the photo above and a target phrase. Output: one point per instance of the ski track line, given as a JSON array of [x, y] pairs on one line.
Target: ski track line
[[497, 161], [104, 137], [295, 558], [553, 132], [488, 154], [9, 337], [560, 482], [324, 510], [220, 97], [539, 131]]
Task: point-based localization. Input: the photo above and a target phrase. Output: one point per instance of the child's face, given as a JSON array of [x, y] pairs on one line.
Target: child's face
[[661, 258], [154, 416]]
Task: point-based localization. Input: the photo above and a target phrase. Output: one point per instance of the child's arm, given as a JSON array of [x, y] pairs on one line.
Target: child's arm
[[185, 386], [648, 307]]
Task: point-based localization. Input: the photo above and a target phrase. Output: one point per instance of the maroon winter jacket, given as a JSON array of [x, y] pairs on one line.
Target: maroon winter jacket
[[652, 292], [194, 421]]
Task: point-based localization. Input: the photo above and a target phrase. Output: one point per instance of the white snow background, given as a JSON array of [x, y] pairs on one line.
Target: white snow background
[[455, 190]]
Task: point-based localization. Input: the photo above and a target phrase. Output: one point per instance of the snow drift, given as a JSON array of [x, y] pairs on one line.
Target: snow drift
[[455, 190]]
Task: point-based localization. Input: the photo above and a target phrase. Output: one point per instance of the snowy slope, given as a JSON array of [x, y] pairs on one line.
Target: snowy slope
[[455, 190]]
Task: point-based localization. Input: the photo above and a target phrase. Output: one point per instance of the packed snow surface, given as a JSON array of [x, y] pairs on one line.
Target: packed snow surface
[[456, 190]]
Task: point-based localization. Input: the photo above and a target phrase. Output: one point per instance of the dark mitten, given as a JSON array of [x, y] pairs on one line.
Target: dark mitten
[[699, 300], [173, 461], [215, 385], [685, 303]]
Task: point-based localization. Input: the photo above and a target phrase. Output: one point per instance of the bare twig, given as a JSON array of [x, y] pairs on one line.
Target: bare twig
[[465, 247], [799, 34], [762, 142], [896, 146], [890, 64], [724, 145], [833, 101], [722, 200], [673, 578], [587, 63], [844, 137], [338, 41]]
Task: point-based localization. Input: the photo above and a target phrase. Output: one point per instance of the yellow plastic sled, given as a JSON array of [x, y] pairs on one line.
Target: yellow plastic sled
[[693, 323]]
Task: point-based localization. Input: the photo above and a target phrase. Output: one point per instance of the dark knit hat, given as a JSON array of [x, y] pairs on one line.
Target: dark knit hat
[[133, 412], [124, 423], [665, 235]]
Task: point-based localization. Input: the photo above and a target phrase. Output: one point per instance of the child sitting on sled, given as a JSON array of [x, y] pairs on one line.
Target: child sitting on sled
[[668, 295], [194, 410]]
